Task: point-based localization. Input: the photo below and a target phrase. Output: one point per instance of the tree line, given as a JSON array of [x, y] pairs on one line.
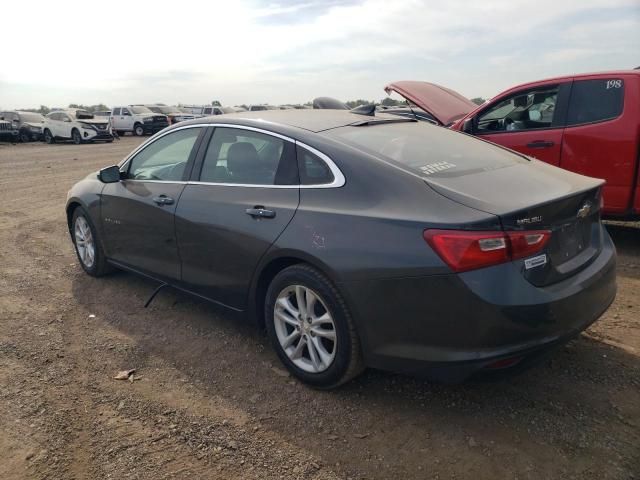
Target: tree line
[[386, 102]]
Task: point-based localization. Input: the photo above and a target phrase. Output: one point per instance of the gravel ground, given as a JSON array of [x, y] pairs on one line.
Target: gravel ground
[[209, 399]]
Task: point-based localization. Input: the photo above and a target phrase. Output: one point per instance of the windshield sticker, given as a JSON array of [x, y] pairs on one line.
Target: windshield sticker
[[436, 167]]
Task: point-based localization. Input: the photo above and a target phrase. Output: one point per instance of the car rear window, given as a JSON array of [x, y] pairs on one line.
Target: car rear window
[[427, 150]]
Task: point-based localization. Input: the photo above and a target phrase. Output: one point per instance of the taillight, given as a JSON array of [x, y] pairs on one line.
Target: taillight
[[469, 250]]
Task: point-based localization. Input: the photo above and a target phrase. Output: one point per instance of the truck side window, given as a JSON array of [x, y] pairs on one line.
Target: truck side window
[[125, 112], [526, 110], [116, 111], [595, 100]]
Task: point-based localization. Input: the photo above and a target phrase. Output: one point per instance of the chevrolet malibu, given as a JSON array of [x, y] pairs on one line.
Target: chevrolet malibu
[[357, 240]]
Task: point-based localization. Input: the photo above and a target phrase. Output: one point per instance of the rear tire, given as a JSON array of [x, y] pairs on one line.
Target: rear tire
[[87, 244], [138, 130], [319, 345], [48, 137]]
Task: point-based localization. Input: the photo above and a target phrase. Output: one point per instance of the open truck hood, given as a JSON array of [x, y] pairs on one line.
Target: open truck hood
[[445, 105]]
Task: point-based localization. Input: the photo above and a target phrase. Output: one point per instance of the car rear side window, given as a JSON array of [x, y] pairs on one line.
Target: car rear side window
[[246, 157], [166, 158], [595, 100], [313, 170]]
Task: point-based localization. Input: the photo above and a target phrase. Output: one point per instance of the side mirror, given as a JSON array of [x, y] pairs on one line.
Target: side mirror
[[467, 126], [110, 174]]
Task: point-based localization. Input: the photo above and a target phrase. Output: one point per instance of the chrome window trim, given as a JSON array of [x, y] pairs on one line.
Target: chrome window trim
[[338, 177], [152, 139]]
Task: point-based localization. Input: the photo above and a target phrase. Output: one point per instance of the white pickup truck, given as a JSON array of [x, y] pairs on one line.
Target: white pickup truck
[[137, 119]]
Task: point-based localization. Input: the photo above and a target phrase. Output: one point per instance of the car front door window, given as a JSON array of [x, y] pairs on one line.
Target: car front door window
[[528, 110], [166, 158]]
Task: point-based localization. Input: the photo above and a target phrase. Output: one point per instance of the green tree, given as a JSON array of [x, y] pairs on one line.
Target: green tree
[[390, 102], [216, 103], [357, 103], [478, 100]]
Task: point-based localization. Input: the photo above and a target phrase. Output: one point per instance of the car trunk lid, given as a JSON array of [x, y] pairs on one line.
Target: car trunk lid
[[444, 104], [526, 198]]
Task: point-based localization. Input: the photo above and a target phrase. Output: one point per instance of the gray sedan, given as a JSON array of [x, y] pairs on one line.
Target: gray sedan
[[357, 240]]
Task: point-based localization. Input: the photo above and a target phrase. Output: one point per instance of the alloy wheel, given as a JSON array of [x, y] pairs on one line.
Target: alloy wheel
[[85, 244], [305, 329]]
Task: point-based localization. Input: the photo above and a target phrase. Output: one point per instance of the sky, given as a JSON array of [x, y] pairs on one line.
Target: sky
[[57, 52]]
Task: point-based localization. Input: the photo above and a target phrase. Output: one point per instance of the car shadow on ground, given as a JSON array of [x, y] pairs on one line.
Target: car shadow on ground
[[581, 396]]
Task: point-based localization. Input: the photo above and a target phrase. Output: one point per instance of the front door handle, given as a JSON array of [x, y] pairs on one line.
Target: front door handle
[[260, 212], [540, 144], [163, 200]]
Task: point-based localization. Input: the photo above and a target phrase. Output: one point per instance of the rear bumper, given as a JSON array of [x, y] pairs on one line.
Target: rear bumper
[[448, 327]]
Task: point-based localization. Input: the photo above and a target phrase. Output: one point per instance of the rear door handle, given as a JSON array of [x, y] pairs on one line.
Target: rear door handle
[[260, 212], [163, 200], [540, 144]]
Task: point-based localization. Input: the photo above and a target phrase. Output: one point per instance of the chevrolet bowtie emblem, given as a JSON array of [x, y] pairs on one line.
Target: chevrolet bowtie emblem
[[584, 210]]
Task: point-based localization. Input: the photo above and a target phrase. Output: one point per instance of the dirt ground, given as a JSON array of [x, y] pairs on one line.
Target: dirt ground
[[210, 399]]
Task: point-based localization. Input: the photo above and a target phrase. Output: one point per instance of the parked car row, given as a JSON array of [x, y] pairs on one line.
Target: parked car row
[[23, 126]]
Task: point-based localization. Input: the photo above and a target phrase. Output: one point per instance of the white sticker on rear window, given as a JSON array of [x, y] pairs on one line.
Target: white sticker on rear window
[[535, 261], [436, 167]]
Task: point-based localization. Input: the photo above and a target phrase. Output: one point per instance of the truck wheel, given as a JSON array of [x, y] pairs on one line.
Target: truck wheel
[[75, 136], [138, 130], [48, 138]]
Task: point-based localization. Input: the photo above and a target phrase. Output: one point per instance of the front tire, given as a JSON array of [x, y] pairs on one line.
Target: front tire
[[48, 137], [25, 136], [76, 137], [311, 329], [138, 130], [87, 245]]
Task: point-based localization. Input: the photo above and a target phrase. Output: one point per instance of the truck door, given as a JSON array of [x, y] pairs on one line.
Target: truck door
[[530, 121], [115, 119], [600, 139], [127, 120]]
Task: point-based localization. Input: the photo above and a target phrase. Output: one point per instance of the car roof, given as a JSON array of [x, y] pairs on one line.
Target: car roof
[[311, 120], [576, 76]]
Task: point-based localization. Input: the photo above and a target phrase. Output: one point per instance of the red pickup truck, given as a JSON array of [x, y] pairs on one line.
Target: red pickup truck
[[587, 123]]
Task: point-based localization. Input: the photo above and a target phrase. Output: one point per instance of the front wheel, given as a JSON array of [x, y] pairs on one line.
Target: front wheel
[[48, 137], [88, 248], [138, 130], [311, 328], [25, 137], [75, 136]]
